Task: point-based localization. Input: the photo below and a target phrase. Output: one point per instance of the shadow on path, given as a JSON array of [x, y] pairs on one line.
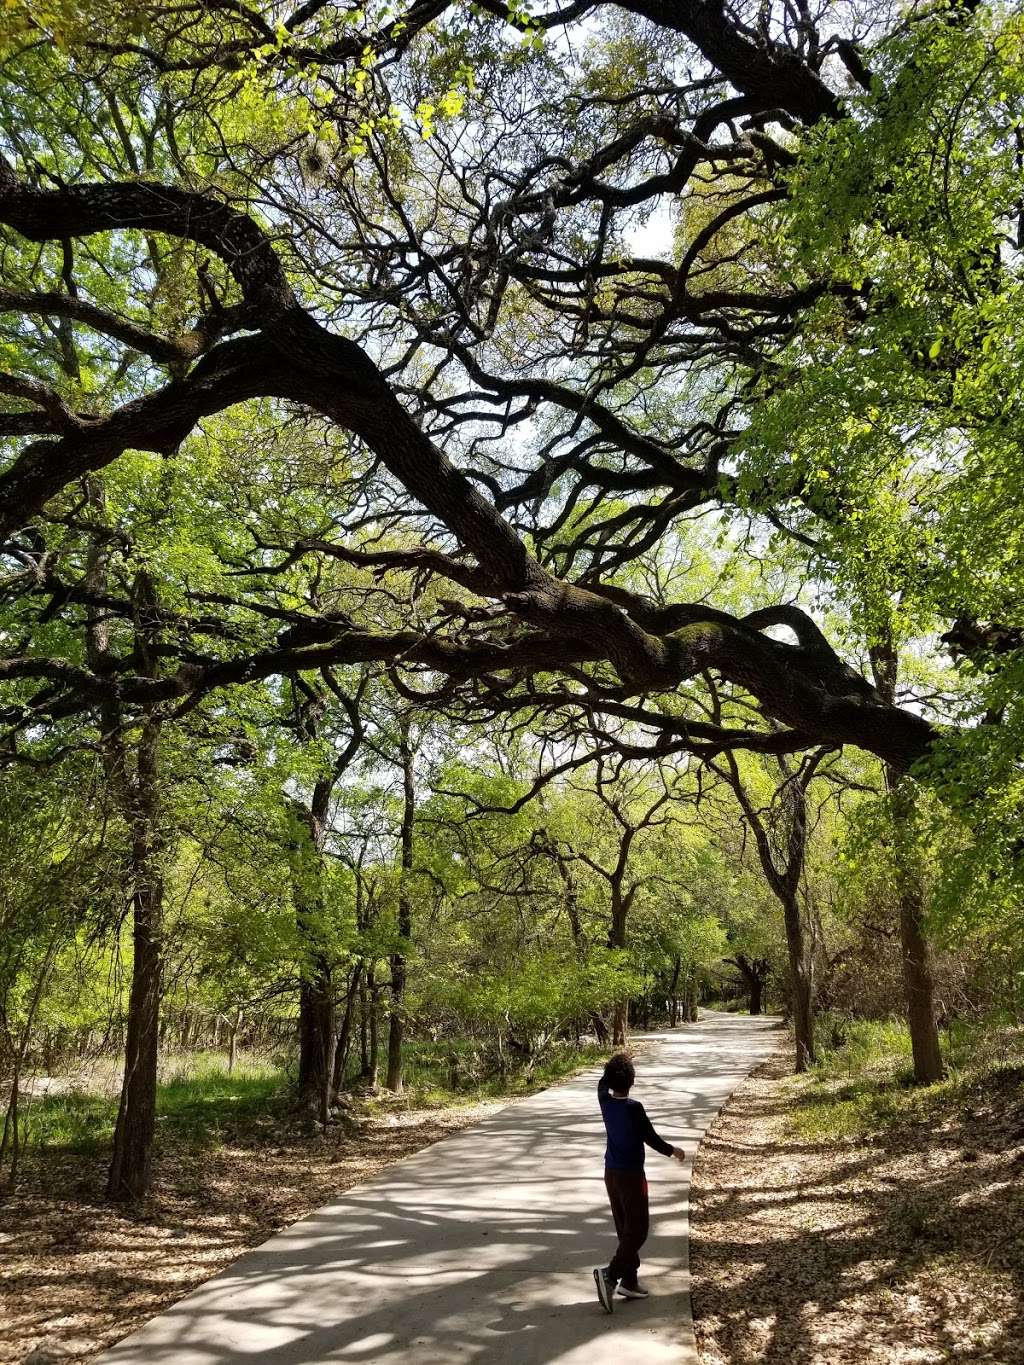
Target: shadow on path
[[478, 1248]]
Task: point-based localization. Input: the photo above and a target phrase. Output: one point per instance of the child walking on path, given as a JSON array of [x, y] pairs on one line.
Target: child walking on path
[[628, 1129]]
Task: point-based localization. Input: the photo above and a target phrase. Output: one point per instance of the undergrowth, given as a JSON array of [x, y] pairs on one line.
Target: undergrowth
[[201, 1104], [459, 1071], [198, 1103], [863, 1081]]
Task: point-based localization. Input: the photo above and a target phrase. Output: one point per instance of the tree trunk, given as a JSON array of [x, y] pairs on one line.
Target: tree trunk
[[801, 984], [233, 1028], [617, 939], [132, 1159], [136, 789], [131, 1164], [317, 1029], [919, 986], [673, 988], [344, 1042], [364, 1028], [918, 978], [373, 1057], [396, 1023], [10, 1144], [690, 999], [755, 1001], [316, 984], [755, 974], [316, 1036], [785, 881]]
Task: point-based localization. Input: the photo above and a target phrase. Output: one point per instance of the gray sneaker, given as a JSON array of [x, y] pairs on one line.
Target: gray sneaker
[[605, 1290], [634, 1291]]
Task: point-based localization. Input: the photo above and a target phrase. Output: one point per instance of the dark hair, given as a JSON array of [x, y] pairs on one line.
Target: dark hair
[[619, 1073]]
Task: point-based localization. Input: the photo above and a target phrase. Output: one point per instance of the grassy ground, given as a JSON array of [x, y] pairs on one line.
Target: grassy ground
[[864, 1080], [850, 1216], [234, 1163], [200, 1103]]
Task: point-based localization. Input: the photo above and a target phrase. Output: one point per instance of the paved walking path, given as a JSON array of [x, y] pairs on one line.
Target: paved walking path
[[480, 1248]]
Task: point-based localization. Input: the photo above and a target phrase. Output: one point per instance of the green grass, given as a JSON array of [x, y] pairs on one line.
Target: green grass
[[863, 1082], [201, 1101], [199, 1104]]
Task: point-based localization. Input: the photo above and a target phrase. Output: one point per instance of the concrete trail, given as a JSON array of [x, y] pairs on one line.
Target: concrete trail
[[479, 1248]]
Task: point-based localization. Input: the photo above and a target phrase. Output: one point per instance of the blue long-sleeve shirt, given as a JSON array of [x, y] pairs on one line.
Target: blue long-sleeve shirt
[[628, 1128]]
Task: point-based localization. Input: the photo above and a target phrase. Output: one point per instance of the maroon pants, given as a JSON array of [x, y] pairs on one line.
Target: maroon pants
[[627, 1194]]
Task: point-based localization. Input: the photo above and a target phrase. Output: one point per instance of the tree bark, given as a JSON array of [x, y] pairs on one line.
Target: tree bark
[[617, 939], [132, 1159], [396, 1022], [373, 1023], [673, 987], [316, 1034], [690, 998], [233, 1027], [918, 976], [755, 1004], [316, 984], [136, 789], [785, 881], [755, 974], [131, 1163], [915, 952], [344, 1041], [309, 827], [364, 1026], [801, 984]]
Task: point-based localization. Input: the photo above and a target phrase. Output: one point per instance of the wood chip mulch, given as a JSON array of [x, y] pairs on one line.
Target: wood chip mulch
[[902, 1248]]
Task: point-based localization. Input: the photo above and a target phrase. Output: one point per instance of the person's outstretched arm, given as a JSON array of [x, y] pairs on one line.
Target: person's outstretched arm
[[655, 1140]]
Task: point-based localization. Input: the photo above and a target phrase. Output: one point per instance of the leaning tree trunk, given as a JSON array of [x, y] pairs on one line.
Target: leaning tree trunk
[[309, 827], [344, 1041], [785, 881], [396, 1022], [10, 1140]]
